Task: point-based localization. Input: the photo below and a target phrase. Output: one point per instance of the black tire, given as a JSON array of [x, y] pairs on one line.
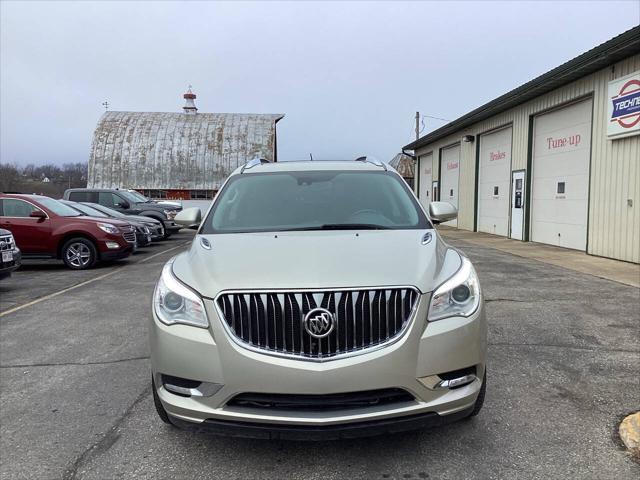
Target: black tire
[[480, 400], [162, 413], [167, 234], [79, 253]]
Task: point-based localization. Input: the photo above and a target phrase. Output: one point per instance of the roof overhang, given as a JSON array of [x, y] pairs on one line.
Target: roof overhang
[[618, 48]]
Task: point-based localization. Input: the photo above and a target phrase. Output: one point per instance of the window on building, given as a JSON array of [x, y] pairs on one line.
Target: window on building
[[495, 191], [560, 187]]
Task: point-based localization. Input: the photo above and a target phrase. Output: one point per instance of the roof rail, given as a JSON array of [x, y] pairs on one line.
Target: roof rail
[[253, 162], [373, 161]]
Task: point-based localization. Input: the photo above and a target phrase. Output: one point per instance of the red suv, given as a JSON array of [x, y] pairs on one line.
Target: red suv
[[45, 228]]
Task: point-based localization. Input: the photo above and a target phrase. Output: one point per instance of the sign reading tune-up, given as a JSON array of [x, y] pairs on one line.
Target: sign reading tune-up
[[623, 118]]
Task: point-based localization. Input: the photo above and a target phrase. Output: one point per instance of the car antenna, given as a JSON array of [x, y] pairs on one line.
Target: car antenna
[[311, 156]]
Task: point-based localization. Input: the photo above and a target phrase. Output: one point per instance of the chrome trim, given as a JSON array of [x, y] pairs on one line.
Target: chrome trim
[[206, 389], [351, 353], [454, 382], [252, 163]]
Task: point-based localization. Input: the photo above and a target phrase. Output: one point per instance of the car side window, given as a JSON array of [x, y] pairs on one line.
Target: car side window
[[109, 199], [79, 196], [16, 208]]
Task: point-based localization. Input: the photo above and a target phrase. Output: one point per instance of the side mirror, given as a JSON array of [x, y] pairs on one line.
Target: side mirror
[[189, 217], [442, 212], [123, 204], [38, 214]]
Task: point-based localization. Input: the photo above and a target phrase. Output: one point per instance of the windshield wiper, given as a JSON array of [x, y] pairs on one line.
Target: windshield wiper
[[340, 226]]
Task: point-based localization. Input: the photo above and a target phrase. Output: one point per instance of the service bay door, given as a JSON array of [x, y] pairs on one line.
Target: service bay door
[[449, 178], [560, 189], [426, 177], [493, 182]]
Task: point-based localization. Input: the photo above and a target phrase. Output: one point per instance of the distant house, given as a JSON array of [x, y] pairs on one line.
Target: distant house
[[177, 155], [45, 179], [405, 165]]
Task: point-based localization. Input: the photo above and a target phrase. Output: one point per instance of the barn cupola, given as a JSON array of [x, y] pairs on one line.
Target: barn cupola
[[189, 105]]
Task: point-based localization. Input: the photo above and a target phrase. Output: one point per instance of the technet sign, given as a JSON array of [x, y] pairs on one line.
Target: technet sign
[[623, 117]]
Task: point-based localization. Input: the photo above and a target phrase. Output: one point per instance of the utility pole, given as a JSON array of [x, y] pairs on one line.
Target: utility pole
[[417, 125]]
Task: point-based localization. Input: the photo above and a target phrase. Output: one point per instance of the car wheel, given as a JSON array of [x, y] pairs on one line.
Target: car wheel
[[480, 400], [162, 413], [79, 253]]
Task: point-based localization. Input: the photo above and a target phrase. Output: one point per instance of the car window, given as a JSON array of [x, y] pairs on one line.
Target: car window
[[79, 196], [16, 208], [87, 210], [314, 200], [109, 199], [58, 207]]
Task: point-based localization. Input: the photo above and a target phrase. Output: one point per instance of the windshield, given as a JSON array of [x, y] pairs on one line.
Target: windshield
[[139, 197], [320, 200], [87, 210], [58, 208], [106, 210], [131, 197]]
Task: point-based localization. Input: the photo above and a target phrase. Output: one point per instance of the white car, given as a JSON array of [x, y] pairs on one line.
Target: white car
[[317, 301]]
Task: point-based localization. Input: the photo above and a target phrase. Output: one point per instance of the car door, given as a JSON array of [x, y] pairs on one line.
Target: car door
[[30, 233]]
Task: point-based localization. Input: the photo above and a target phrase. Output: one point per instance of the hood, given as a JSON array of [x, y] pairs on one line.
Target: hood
[[112, 221], [316, 259], [142, 219]]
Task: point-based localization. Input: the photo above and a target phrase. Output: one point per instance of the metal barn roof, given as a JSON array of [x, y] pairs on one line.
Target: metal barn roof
[[608, 53], [175, 150]]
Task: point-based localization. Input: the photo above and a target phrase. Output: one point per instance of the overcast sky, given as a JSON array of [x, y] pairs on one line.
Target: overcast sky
[[348, 76]]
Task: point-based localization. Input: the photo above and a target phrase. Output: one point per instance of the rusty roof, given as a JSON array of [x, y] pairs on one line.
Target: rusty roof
[[156, 150], [404, 164]]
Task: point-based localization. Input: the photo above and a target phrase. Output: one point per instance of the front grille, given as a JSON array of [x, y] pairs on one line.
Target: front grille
[[130, 236], [6, 242], [321, 403], [273, 321]]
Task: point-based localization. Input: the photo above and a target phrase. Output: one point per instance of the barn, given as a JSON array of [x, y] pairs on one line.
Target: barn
[[177, 155]]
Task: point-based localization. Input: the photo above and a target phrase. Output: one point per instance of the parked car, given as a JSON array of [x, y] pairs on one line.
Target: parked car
[[10, 256], [125, 202], [171, 203], [155, 226], [317, 301], [143, 234], [46, 228]]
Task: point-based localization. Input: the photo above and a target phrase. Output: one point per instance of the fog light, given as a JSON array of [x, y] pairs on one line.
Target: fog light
[[112, 244]]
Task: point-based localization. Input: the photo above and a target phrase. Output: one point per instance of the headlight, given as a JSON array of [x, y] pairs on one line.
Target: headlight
[[177, 303], [107, 227], [170, 214], [458, 296]]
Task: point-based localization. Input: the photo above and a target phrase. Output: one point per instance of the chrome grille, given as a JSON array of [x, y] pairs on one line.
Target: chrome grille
[[273, 321], [130, 236], [6, 242]]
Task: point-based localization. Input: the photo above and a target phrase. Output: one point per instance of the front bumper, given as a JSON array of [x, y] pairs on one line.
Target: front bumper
[[209, 355], [7, 267], [122, 252]]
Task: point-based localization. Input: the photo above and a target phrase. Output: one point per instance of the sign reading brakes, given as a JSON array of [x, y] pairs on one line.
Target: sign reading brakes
[[624, 106]]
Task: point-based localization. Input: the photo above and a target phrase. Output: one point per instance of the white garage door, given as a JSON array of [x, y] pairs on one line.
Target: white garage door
[[449, 176], [560, 191], [493, 182], [426, 177]]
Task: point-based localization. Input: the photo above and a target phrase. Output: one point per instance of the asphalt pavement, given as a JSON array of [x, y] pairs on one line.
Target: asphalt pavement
[[75, 398]]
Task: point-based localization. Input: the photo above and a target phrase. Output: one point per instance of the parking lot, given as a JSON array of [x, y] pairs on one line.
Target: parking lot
[[75, 398]]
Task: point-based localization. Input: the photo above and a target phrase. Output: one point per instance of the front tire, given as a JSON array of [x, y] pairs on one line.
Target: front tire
[[480, 400], [79, 253], [162, 413]]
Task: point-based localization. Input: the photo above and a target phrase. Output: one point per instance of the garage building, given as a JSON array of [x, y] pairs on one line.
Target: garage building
[[555, 161]]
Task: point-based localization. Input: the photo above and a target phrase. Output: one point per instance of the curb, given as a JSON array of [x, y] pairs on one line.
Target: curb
[[629, 431]]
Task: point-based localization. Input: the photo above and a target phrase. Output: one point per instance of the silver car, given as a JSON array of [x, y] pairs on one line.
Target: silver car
[[317, 301]]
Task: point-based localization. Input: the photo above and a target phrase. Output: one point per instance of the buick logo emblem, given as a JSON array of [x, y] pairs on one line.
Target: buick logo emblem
[[318, 322]]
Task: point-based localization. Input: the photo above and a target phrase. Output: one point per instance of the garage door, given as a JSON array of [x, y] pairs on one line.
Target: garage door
[[426, 177], [493, 182], [449, 176], [560, 191]]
